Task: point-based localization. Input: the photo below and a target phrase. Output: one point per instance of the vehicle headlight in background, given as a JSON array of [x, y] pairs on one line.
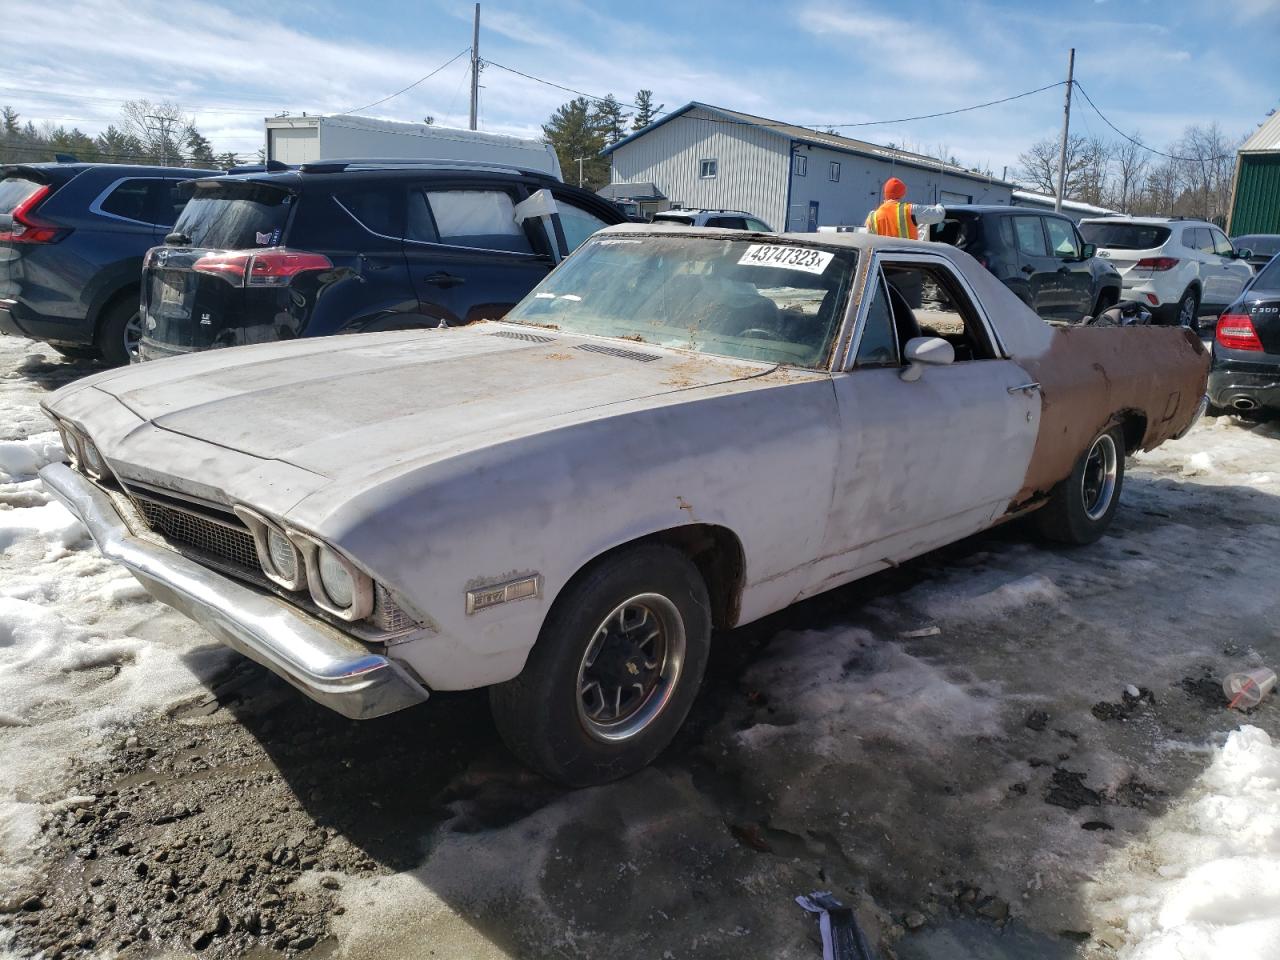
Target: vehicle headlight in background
[[277, 554]]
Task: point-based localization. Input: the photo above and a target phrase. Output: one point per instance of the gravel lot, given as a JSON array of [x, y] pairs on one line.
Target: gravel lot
[[985, 751]]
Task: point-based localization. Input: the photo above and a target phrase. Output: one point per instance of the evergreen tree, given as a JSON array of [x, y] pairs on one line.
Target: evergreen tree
[[647, 112], [9, 119], [573, 133], [199, 152], [610, 119], [227, 160]]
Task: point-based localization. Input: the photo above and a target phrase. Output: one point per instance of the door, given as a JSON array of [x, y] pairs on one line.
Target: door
[[813, 217], [927, 462], [1235, 273], [1208, 264], [467, 256], [1074, 275], [1036, 266]]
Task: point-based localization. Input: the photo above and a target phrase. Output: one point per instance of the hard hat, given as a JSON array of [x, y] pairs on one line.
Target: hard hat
[[894, 189]]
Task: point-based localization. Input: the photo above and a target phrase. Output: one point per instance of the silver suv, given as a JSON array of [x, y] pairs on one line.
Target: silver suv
[[727, 219], [1178, 267]]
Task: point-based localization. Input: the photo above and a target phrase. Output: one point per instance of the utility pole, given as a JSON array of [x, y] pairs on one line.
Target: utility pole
[[579, 161], [1066, 129], [475, 67], [164, 123]]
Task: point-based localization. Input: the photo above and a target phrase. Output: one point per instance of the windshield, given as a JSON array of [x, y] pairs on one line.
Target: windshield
[[779, 303], [1125, 236], [235, 215]]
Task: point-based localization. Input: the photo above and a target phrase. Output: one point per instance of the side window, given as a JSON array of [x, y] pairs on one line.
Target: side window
[[1006, 232], [166, 203], [132, 200], [1221, 245], [928, 301], [757, 225], [879, 345], [576, 223], [728, 223], [1030, 236], [484, 219], [1203, 240], [801, 165], [1062, 239], [418, 223], [707, 169], [374, 206]]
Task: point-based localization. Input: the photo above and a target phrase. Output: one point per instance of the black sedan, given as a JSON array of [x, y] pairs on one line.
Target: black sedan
[[1246, 348], [1261, 246]]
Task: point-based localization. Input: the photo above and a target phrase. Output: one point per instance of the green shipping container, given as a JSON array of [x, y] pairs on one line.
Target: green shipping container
[[1257, 202]]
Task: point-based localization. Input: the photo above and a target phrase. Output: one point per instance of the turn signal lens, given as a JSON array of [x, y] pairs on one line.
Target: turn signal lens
[[1235, 332]]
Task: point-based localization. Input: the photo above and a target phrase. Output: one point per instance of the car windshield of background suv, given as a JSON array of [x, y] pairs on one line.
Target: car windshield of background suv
[[779, 303]]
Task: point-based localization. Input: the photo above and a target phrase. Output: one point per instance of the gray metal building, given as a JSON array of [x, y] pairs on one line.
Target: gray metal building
[[792, 177]]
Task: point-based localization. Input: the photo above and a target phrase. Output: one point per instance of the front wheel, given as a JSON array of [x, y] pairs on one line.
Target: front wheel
[[1080, 508], [119, 333], [614, 671]]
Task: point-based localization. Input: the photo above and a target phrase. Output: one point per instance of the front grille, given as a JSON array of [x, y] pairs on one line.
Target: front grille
[[233, 545], [619, 352], [221, 539]]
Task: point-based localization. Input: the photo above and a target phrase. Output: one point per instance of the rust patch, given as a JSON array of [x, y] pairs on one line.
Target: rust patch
[[1093, 376]]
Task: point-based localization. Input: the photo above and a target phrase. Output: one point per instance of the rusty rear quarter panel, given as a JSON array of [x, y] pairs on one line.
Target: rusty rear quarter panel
[[1092, 376]]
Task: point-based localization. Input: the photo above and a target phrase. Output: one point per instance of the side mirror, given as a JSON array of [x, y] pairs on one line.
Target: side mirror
[[1244, 254], [925, 351], [1088, 251]]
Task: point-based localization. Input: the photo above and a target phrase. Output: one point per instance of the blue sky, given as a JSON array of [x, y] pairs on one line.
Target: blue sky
[[1153, 67]]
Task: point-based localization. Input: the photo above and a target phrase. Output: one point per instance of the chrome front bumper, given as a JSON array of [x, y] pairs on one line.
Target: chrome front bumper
[[328, 666]]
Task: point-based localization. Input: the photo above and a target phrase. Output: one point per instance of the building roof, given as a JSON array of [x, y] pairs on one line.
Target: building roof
[[833, 141], [1266, 137], [1048, 200], [640, 190]]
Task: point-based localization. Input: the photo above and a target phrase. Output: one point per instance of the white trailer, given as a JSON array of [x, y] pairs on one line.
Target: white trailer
[[296, 140]]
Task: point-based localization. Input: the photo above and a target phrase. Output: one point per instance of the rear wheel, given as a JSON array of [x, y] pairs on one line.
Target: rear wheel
[[119, 332], [614, 672], [1080, 508], [1187, 311]]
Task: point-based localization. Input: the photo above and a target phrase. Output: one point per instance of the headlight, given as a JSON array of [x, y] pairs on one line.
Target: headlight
[[337, 581], [337, 586], [283, 554], [70, 443], [93, 461], [277, 555]]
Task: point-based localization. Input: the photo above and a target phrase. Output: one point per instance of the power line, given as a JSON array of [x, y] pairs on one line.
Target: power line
[[751, 123], [392, 96], [1139, 143]]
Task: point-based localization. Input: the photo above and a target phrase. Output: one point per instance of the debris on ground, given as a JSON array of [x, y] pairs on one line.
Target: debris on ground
[[842, 938]]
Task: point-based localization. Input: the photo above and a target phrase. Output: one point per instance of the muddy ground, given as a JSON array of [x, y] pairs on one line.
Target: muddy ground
[[960, 748]]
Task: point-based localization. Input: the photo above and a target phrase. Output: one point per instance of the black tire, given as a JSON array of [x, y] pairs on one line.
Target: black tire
[[542, 714], [1107, 298], [1074, 514], [1186, 312], [118, 332]]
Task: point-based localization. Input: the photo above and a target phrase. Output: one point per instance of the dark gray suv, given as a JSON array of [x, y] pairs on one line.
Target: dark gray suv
[[1038, 255], [72, 238]]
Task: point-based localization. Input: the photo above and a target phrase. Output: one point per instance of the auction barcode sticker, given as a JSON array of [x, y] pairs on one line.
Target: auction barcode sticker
[[787, 257]]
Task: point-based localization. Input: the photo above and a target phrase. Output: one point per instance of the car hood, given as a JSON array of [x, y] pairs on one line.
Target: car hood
[[349, 405]]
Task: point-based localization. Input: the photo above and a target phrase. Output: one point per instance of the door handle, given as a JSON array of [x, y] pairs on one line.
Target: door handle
[[1025, 387], [1028, 269], [1064, 269], [445, 280]]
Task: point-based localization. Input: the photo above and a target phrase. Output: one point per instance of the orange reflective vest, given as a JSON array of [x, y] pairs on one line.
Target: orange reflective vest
[[892, 219]]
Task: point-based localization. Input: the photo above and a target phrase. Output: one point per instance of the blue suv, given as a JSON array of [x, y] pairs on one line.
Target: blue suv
[[72, 239]]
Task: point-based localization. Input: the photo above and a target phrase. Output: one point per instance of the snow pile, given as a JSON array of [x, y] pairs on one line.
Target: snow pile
[[21, 459], [83, 653], [1216, 885]]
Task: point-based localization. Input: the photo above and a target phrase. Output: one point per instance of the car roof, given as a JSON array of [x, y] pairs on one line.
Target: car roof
[[694, 211], [1150, 221], [1002, 208], [121, 169]]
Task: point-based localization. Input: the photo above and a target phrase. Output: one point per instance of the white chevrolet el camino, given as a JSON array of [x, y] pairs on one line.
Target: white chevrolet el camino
[[678, 430]]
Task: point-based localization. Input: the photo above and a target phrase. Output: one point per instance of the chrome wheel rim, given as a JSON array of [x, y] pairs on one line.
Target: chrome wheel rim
[[630, 668], [1098, 485], [132, 334]]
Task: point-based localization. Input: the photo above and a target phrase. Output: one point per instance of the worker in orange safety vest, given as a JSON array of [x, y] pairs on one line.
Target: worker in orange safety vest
[[897, 218]]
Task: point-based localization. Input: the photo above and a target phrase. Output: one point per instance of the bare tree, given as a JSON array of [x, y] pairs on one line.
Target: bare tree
[[162, 128], [1038, 165], [1131, 160], [1206, 169]]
